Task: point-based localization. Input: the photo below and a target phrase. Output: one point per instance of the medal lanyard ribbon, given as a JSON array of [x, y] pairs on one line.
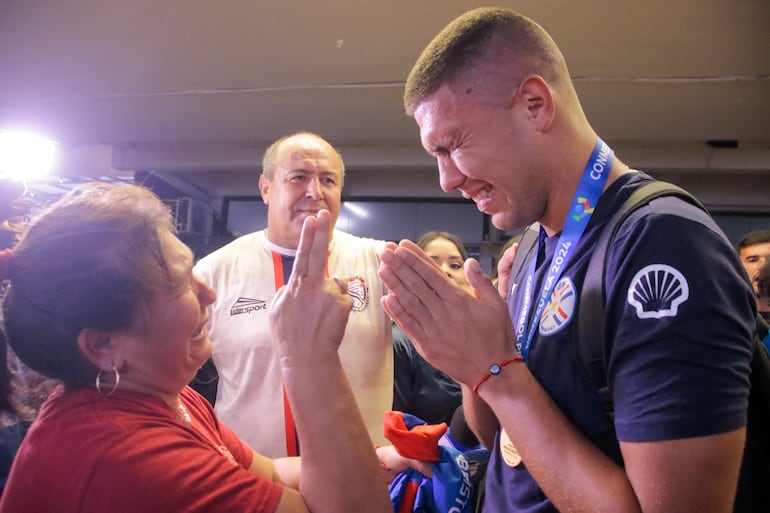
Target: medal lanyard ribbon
[[281, 275], [292, 444], [589, 189]]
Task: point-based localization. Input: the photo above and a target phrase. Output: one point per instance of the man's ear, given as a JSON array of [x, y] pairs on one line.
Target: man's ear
[[100, 347], [264, 187], [538, 101]]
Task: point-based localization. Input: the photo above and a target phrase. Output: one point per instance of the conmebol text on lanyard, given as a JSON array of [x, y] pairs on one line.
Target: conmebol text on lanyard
[[587, 194]]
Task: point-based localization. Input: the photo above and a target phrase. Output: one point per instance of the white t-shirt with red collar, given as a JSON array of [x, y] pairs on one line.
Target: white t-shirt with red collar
[[245, 275]]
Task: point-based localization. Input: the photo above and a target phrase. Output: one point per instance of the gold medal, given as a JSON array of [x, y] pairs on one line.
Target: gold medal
[[508, 451]]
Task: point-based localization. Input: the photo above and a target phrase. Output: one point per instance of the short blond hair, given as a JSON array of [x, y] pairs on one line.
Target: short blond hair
[[483, 50]]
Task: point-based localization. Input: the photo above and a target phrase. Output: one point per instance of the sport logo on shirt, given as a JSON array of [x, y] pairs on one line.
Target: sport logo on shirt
[[245, 305], [359, 291], [657, 291]]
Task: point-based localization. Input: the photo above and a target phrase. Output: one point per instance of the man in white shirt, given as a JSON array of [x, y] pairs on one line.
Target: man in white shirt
[[302, 174]]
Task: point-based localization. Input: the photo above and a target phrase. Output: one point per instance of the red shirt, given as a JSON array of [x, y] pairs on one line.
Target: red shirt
[[130, 453]]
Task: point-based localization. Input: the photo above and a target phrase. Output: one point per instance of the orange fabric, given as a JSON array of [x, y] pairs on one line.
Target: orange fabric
[[420, 442]]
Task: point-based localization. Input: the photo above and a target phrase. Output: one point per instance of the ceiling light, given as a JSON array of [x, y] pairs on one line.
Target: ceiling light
[[24, 156]]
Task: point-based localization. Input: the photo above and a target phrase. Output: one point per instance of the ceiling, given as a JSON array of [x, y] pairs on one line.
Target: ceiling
[[194, 90]]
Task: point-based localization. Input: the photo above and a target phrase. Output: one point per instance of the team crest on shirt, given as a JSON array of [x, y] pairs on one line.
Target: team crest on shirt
[[657, 291], [359, 291], [559, 311]]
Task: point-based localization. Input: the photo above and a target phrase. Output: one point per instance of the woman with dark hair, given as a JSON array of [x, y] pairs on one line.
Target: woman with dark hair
[[448, 251], [103, 299]]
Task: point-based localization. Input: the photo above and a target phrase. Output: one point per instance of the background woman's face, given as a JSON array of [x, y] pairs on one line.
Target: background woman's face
[[448, 257]]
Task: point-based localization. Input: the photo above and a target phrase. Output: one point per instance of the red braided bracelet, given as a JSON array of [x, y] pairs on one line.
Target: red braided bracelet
[[494, 370]]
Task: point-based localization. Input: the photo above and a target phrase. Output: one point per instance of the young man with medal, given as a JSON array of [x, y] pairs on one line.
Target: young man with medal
[[496, 106]]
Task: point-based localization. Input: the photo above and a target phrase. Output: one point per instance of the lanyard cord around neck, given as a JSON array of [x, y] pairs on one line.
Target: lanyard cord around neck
[[281, 275], [589, 189], [292, 444]]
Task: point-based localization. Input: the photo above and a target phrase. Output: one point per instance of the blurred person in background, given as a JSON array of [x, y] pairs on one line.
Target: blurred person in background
[[754, 251]]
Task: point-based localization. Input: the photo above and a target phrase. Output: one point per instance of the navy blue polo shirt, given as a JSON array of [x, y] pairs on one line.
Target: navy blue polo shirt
[[679, 318]]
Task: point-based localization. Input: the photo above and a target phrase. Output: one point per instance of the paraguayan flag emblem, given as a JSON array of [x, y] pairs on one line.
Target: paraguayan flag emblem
[[559, 311]]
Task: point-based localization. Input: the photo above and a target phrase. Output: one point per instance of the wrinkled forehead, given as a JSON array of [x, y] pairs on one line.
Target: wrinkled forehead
[[177, 261], [296, 150], [436, 107], [175, 252]]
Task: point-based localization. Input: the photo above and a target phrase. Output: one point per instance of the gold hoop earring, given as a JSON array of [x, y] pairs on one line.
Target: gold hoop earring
[[114, 386]]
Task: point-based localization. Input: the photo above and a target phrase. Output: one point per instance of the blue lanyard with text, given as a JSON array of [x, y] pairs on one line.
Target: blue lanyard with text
[[590, 188]]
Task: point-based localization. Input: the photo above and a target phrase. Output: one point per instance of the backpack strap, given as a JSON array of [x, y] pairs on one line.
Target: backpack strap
[[590, 347], [527, 243]]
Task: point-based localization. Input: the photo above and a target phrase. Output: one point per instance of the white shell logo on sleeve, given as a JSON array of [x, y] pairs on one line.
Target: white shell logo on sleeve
[[657, 291], [559, 311]]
